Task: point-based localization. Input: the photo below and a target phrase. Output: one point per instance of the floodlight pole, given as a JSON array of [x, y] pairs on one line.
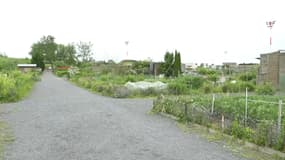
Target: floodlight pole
[[127, 43], [270, 24]]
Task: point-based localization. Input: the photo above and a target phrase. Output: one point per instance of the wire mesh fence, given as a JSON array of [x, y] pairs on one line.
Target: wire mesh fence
[[258, 119]]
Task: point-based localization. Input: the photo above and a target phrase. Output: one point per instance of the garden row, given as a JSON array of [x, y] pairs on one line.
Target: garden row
[[227, 113]]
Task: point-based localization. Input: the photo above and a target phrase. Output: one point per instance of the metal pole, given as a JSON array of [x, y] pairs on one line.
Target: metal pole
[[213, 104], [186, 111], [223, 122], [246, 106], [279, 116]]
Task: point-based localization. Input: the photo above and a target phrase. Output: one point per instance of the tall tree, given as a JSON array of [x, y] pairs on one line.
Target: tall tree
[[172, 64], [176, 64], [84, 51], [71, 58], [37, 56], [44, 51], [66, 54], [179, 68], [49, 48], [168, 64]]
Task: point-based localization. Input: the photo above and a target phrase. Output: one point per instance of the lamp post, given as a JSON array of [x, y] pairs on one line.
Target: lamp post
[[270, 24]]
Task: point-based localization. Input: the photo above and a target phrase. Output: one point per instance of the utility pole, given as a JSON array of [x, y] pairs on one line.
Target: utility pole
[[270, 24], [127, 43]]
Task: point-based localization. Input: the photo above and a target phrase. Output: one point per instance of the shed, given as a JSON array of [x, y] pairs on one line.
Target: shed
[[27, 67]]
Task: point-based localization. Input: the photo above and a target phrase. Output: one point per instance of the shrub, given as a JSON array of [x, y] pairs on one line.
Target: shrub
[[236, 130], [177, 87], [248, 85], [193, 82], [207, 88], [15, 85], [62, 73], [265, 89]]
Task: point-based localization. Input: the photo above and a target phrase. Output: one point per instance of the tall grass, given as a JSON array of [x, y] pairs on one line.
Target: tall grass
[[15, 85]]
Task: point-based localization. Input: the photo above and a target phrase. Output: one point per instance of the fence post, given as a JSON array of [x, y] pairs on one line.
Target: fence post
[[246, 107], [186, 111], [223, 122], [213, 104], [279, 117]]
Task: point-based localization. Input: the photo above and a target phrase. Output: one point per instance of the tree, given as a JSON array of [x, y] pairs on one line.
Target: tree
[[172, 64], [177, 64], [37, 56], [66, 54], [168, 64], [84, 51], [44, 51], [49, 48]]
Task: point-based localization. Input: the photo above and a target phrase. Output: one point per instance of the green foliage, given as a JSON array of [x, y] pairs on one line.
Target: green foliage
[[213, 77], [48, 48], [16, 85], [240, 132], [9, 64], [167, 67], [44, 50], [193, 82], [84, 51], [248, 76], [62, 73], [207, 88], [177, 88], [66, 54], [206, 71], [141, 67], [239, 86], [172, 64], [47, 51], [37, 58], [265, 89], [261, 129], [177, 64]]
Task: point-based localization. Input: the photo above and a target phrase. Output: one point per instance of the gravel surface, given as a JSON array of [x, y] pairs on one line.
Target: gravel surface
[[60, 121]]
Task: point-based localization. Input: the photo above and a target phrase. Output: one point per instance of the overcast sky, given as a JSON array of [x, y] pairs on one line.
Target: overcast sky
[[209, 31]]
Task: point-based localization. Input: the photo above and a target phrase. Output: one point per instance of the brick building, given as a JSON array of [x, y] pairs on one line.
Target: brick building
[[272, 69]]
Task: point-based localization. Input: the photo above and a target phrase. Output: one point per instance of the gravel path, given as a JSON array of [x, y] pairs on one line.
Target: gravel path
[[60, 121]]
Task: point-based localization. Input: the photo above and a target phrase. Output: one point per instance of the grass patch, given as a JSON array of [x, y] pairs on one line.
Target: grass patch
[[234, 145], [6, 137]]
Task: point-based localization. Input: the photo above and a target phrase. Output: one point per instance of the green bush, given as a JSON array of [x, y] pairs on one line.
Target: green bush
[[193, 82], [249, 85], [177, 88], [241, 132], [15, 85], [62, 73], [207, 88], [239, 86], [265, 89]]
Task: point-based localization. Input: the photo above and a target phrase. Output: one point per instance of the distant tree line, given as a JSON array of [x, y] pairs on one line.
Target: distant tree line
[[47, 51]]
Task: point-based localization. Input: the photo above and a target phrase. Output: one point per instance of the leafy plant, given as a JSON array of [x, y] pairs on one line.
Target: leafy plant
[[265, 89]]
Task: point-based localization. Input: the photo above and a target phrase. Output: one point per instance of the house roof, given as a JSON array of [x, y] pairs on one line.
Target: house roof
[[26, 65], [128, 61], [247, 64], [274, 52]]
